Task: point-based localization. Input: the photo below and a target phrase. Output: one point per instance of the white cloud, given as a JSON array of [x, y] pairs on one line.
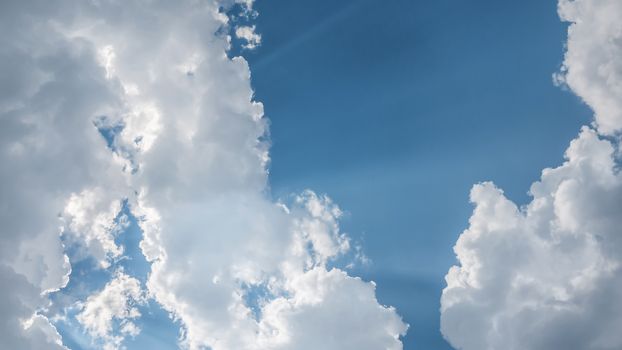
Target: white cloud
[[117, 302], [191, 141], [239, 241], [548, 275], [91, 217], [592, 66], [210, 230], [320, 300], [249, 35], [52, 90]]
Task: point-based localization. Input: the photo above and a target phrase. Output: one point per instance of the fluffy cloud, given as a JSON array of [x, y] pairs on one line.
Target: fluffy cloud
[[117, 302], [250, 249], [592, 66], [548, 275], [321, 300], [222, 251], [249, 35], [52, 90], [185, 144], [91, 217]]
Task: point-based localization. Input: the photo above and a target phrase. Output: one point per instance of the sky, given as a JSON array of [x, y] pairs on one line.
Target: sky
[[399, 110], [264, 175]]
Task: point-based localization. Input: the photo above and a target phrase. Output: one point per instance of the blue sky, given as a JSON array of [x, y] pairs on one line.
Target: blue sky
[[302, 175], [396, 109]]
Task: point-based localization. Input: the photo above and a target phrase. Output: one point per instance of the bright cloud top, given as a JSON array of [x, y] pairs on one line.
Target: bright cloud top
[[592, 66], [115, 102], [548, 275]]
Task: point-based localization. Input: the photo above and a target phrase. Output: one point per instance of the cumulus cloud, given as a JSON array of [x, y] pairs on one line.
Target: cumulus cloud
[[52, 89], [592, 67], [116, 303], [112, 102], [91, 218], [214, 237], [548, 275]]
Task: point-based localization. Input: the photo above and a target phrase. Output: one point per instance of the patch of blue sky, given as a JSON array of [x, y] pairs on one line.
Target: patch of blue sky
[[395, 109], [108, 130], [86, 278], [133, 261], [238, 16], [255, 296], [158, 330], [74, 336]]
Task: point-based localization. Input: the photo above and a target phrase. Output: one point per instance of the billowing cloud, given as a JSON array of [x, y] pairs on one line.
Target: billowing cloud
[[592, 66], [52, 89], [116, 303], [116, 102], [321, 300], [91, 219], [548, 275], [266, 286], [222, 252]]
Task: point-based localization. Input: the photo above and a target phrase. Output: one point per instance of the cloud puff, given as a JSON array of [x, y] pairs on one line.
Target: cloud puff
[[592, 66], [548, 275], [248, 249], [117, 303], [91, 220], [249, 35], [320, 300]]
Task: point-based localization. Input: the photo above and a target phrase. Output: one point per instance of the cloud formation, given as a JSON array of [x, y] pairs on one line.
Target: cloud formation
[[52, 89], [117, 302], [592, 67], [223, 254], [249, 34], [547, 275], [117, 102]]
